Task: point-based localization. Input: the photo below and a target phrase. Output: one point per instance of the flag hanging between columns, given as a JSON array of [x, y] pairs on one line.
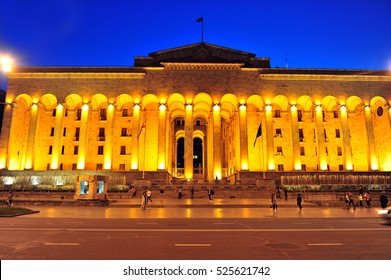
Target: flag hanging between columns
[[141, 130], [200, 19], [259, 133]]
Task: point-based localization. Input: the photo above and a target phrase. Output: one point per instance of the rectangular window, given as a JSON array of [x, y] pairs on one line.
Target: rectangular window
[[64, 133], [76, 150], [302, 151], [78, 114], [50, 150], [300, 115], [66, 112], [339, 150], [54, 112], [52, 131], [279, 151], [62, 150], [278, 132], [340, 167], [100, 150], [337, 133], [304, 167], [102, 114], [123, 150], [277, 114], [301, 135], [124, 131], [335, 112], [122, 167], [77, 134], [99, 166], [325, 136], [280, 167], [74, 166], [61, 166], [101, 136], [125, 113]]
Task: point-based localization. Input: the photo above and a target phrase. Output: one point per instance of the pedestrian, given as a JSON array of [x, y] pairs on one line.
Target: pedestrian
[[179, 192], [360, 198], [346, 201], [368, 200], [217, 180], [161, 194], [383, 200], [149, 196], [351, 201], [274, 202], [210, 194], [361, 191], [278, 192], [143, 200], [10, 198], [192, 192], [299, 200], [286, 194]]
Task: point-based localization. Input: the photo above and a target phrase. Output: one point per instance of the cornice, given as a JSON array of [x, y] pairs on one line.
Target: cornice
[[322, 77], [74, 75], [201, 66]]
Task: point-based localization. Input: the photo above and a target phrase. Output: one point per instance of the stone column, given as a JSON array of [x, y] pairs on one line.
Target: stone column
[[189, 141], [108, 146], [347, 149], [135, 140], [372, 152], [216, 142], [269, 138], [161, 162], [321, 144], [31, 137], [295, 139], [243, 137], [81, 159], [5, 135], [57, 137]]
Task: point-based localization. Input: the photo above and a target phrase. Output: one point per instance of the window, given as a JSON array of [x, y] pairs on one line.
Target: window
[[74, 166], [327, 151], [77, 134], [301, 135], [78, 114], [122, 167], [280, 167], [124, 131], [337, 133], [325, 136], [61, 166], [198, 123], [62, 150], [277, 114], [278, 132], [54, 112], [64, 133], [101, 136], [52, 131], [66, 112], [335, 112], [302, 151], [100, 150], [102, 114], [304, 167], [340, 167], [125, 113], [76, 150], [300, 115], [123, 150], [279, 151], [99, 166], [339, 151], [50, 150], [323, 116]]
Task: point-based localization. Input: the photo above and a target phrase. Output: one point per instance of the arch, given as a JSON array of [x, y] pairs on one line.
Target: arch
[[198, 134], [203, 98], [329, 102], [353, 102], [177, 113], [201, 113], [305, 102], [24, 100], [281, 101], [230, 102], [148, 99], [123, 99], [202, 105], [175, 98], [73, 101], [378, 100], [256, 102], [49, 101], [98, 100]]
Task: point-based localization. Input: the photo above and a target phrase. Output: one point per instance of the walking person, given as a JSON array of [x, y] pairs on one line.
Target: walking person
[[143, 200], [192, 192], [346, 201], [10, 198], [368, 200], [351, 201], [383, 200], [360, 198], [299, 200], [161, 194], [210, 194], [286, 193], [179, 190], [149, 196], [274, 202]]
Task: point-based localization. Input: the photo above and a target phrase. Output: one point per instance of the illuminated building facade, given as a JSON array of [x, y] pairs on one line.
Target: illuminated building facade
[[194, 112]]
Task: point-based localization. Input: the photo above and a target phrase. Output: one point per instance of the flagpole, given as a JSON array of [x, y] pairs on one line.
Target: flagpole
[[144, 155], [263, 163], [202, 37]]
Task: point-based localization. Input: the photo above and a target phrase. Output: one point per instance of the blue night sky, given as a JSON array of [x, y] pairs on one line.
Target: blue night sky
[[351, 34]]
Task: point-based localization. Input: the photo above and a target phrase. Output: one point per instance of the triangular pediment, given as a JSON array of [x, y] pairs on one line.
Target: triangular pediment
[[202, 53]]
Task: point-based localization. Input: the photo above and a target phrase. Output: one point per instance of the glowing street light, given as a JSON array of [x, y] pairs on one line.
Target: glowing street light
[[6, 63]]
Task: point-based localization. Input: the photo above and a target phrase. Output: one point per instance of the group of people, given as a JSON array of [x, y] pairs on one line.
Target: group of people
[[277, 194], [348, 199]]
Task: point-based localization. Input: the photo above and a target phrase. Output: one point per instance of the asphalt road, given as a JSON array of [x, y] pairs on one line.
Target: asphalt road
[[240, 236]]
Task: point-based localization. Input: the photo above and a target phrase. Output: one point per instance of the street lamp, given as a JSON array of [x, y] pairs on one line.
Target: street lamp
[[6, 63]]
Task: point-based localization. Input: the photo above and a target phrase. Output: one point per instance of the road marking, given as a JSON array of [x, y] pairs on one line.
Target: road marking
[[193, 245], [145, 223], [304, 223], [224, 223], [325, 244], [62, 244]]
